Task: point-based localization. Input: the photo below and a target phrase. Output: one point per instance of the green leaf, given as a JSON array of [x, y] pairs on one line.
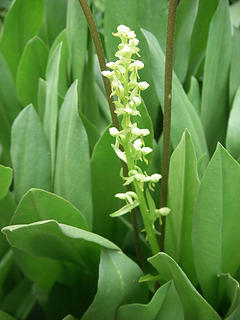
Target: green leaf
[[9, 106], [29, 153], [106, 182], [51, 107], [234, 12], [54, 19], [234, 81], [216, 222], [186, 14], [235, 315], [183, 189], [92, 132], [20, 300], [126, 209], [117, 284], [6, 316], [232, 138], [6, 264], [151, 12], [200, 34], [192, 302], [58, 241], [164, 305], [5, 180], [89, 105], [42, 89], [63, 66], [77, 40], [22, 22], [69, 317], [38, 205], [214, 108], [73, 176], [32, 66], [228, 294], [194, 94], [183, 113], [7, 208]]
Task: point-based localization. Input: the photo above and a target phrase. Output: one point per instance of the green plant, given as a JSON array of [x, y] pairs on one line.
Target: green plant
[[62, 256]]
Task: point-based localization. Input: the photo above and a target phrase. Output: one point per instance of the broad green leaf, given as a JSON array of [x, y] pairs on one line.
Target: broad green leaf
[[54, 19], [117, 285], [51, 107], [106, 182], [151, 12], [77, 40], [183, 113], [63, 67], [114, 15], [38, 205], [232, 138], [216, 222], [186, 14], [22, 22], [7, 208], [88, 103], [53, 240], [182, 192], [20, 300], [92, 132], [72, 175], [42, 89], [29, 153], [214, 108], [234, 81], [164, 305], [235, 14], [6, 316], [228, 294], [32, 66], [194, 94], [200, 34], [9, 106], [103, 104], [6, 263], [5, 180], [235, 315], [192, 302]]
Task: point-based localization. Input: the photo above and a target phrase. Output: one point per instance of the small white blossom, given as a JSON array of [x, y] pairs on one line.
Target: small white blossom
[[111, 65], [113, 131], [136, 65], [137, 144], [136, 100], [143, 85], [146, 150], [155, 177], [107, 74], [129, 196]]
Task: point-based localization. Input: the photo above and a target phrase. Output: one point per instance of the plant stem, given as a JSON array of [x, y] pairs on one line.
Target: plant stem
[[101, 58], [167, 110]]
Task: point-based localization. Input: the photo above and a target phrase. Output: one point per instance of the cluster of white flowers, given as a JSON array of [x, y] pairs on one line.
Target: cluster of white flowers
[[126, 89]]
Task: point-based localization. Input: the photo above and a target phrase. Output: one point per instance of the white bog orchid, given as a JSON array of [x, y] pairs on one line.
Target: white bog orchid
[[126, 90]]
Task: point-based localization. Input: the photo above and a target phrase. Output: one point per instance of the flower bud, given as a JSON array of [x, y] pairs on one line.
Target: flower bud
[[143, 85]]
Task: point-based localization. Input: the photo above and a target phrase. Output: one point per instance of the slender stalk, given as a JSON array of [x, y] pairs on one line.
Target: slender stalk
[[167, 109], [101, 58]]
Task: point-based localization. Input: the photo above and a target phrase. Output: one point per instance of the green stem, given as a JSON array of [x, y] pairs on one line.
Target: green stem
[[167, 110], [101, 58], [142, 205]]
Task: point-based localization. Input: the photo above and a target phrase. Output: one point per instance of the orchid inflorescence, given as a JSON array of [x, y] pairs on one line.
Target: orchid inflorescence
[[126, 90]]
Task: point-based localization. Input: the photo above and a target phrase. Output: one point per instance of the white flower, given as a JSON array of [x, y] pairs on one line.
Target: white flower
[[136, 100], [111, 65], [107, 74], [146, 150], [137, 144], [143, 85], [133, 42], [131, 35], [164, 211], [145, 132], [136, 65], [113, 131], [155, 177], [129, 196], [123, 29]]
